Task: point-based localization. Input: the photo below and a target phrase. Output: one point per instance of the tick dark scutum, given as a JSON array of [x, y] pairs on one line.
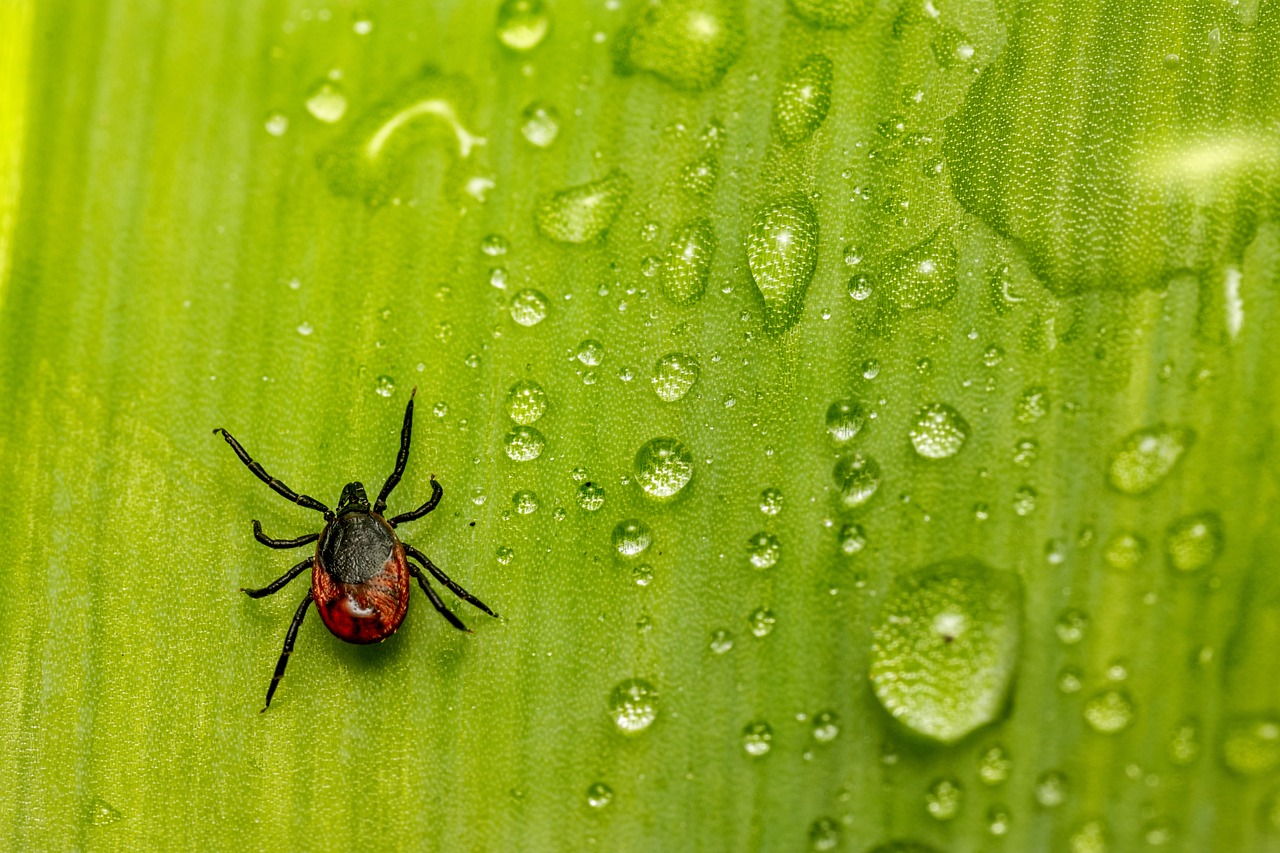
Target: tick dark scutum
[[360, 570]]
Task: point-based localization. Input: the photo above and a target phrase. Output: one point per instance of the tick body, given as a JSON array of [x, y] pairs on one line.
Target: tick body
[[360, 570]]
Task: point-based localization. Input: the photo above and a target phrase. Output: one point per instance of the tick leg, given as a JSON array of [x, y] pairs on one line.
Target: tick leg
[[402, 459], [436, 494], [289, 639], [281, 543], [276, 486], [439, 575], [435, 600], [280, 582]]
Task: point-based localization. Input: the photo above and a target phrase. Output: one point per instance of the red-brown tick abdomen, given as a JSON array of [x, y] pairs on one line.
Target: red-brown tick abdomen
[[363, 594]]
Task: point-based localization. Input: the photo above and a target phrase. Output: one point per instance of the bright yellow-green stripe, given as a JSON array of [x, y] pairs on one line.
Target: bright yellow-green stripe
[[15, 52]]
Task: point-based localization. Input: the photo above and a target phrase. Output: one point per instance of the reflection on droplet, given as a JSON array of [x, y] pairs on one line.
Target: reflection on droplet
[[326, 102], [673, 376], [757, 739], [599, 795], [631, 537], [584, 212], [633, 705], [522, 24], [540, 124]]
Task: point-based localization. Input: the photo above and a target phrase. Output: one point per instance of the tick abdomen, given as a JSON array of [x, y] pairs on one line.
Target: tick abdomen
[[361, 581]]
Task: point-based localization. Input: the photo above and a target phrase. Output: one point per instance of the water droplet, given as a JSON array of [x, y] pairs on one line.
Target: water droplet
[[853, 538], [673, 376], [1251, 745], [277, 124], [1032, 405], [826, 726], [946, 646], [721, 641], [385, 387], [1090, 838], [858, 477], [1109, 712], [699, 177], [836, 15], [599, 795], [525, 501], [860, 288], [1124, 550], [1071, 626], [761, 621], [844, 419], [998, 820], [663, 467], [1070, 680], [1184, 744], [522, 24], [688, 43], [494, 245], [994, 766], [363, 27], [584, 212], [1024, 501], [1025, 451], [1194, 541], [440, 409], [524, 443], [763, 550], [942, 800], [939, 431], [633, 705], [540, 124], [102, 813], [757, 739], [992, 356], [504, 553], [526, 401], [528, 307], [590, 352], [1146, 456], [642, 574], [326, 102], [1051, 789], [686, 266], [924, 276], [305, 328], [591, 496], [770, 502], [631, 537], [824, 834], [804, 99], [782, 252]]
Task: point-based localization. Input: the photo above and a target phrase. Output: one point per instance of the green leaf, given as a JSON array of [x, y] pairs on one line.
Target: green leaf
[[730, 323]]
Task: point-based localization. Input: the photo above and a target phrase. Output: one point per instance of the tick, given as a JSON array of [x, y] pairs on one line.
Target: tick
[[360, 570]]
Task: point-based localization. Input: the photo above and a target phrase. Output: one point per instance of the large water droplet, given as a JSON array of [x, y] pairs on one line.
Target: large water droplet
[[633, 705], [583, 213], [522, 24], [526, 401], [663, 467], [945, 647], [757, 739], [844, 419], [831, 14], [1146, 456], [540, 124], [938, 431], [631, 537], [804, 99], [782, 252], [1109, 712], [1194, 541], [1251, 745], [673, 376], [523, 444], [924, 276], [687, 263], [590, 352], [858, 476], [688, 43]]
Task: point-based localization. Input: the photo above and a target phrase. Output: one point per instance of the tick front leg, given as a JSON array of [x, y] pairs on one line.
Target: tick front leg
[[453, 585], [281, 543], [280, 582], [289, 640], [276, 486], [435, 600], [402, 458], [437, 492]]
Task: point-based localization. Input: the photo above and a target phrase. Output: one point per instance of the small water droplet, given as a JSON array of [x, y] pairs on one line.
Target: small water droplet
[[838, 15], [761, 621], [591, 496], [1071, 625], [385, 386], [525, 501], [858, 476], [494, 245], [590, 352], [440, 409], [1146, 456], [995, 765], [1051, 789], [277, 124], [642, 574], [686, 266], [1070, 680], [860, 288], [721, 641], [1032, 405], [102, 813], [942, 800], [1025, 451], [826, 726], [540, 124], [1194, 541], [699, 177], [582, 213], [1184, 744], [1024, 501], [305, 329], [528, 306], [938, 431], [327, 103], [763, 550], [1251, 745], [631, 537], [824, 834], [599, 795], [504, 553], [663, 466], [1124, 550], [526, 401], [757, 739], [853, 538], [523, 443], [782, 253], [770, 502], [804, 99], [633, 705], [1109, 712], [522, 24], [844, 419]]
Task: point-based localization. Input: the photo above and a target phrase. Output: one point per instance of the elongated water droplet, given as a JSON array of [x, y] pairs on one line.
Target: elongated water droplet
[[524, 444], [924, 276], [633, 705], [945, 647], [688, 43], [370, 158], [663, 467], [804, 99], [1194, 541], [1146, 456], [522, 24], [631, 537], [673, 376], [831, 14], [858, 476], [782, 252], [938, 431], [757, 739], [102, 813], [583, 213], [1251, 745], [687, 263], [844, 419]]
